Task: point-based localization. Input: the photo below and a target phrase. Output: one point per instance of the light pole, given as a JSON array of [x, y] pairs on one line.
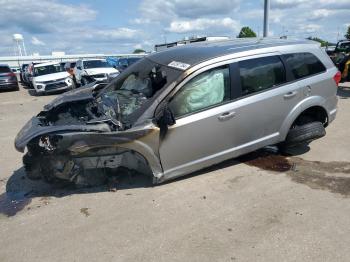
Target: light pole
[[266, 17]]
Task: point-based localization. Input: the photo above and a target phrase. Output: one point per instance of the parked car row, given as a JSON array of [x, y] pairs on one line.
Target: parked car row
[[50, 77]]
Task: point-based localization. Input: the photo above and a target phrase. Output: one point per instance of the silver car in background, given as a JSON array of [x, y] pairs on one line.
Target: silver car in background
[[186, 108]]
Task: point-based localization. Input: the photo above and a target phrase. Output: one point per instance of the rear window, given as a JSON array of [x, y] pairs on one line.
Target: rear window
[[95, 64], [261, 73], [304, 64], [5, 69]]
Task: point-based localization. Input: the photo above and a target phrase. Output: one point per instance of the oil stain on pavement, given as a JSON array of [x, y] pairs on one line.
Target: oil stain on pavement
[[331, 176], [85, 211]]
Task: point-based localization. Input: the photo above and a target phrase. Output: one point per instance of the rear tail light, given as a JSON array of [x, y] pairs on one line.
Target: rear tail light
[[337, 78], [11, 74]]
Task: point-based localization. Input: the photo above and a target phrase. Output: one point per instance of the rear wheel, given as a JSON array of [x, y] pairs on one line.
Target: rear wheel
[[303, 134]]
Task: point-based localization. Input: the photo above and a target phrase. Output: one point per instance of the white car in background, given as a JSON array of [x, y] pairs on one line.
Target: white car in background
[[88, 70], [51, 77]]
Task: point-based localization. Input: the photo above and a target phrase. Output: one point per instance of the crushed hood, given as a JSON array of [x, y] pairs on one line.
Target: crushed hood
[[79, 94], [65, 113]]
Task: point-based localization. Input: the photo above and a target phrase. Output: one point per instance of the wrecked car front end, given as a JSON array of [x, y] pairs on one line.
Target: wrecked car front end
[[85, 135]]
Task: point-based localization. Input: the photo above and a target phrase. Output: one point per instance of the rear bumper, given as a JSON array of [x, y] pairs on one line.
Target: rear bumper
[[8, 85], [331, 106], [332, 115]]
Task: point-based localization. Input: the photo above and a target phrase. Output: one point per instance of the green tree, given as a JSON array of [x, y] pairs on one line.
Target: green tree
[[246, 31], [347, 35], [323, 42], [138, 51]]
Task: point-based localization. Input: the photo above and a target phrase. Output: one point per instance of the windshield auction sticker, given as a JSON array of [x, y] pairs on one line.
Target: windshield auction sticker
[[179, 65]]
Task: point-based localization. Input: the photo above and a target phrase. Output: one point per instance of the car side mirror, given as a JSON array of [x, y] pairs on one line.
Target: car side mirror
[[79, 67], [164, 118]]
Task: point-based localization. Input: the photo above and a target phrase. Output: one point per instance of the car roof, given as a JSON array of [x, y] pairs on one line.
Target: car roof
[[4, 65], [93, 59], [196, 53]]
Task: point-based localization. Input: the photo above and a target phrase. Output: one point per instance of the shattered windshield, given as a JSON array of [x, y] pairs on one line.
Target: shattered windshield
[[95, 64], [49, 69], [138, 84]]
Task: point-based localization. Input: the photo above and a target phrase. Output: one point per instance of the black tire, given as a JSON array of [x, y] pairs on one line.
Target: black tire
[[305, 134], [32, 167]]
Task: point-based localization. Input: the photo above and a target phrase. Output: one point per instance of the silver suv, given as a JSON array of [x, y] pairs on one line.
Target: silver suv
[[186, 108]]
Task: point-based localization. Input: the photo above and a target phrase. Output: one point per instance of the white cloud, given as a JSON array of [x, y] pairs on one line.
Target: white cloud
[[36, 41], [140, 21], [275, 15], [308, 28], [158, 10], [204, 24], [335, 4], [319, 14], [284, 4], [42, 15]]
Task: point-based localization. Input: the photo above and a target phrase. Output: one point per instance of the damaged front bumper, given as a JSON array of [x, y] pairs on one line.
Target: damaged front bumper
[[65, 141], [73, 152]]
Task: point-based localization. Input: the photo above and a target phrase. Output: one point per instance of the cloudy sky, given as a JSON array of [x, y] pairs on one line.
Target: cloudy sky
[[112, 26]]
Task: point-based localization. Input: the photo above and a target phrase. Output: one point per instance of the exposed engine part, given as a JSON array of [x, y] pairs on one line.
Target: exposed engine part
[[44, 142], [113, 161], [83, 171]]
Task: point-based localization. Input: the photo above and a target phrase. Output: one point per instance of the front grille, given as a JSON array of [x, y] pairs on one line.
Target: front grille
[[54, 81], [55, 86]]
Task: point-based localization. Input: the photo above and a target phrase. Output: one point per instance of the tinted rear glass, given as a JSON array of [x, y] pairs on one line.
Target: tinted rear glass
[[4, 69], [95, 64], [261, 73], [304, 64]]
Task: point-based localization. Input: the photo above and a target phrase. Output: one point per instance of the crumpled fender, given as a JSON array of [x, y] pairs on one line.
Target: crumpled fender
[[143, 140], [33, 129]]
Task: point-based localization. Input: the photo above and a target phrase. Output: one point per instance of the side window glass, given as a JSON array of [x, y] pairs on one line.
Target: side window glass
[[304, 64], [206, 90], [261, 73]]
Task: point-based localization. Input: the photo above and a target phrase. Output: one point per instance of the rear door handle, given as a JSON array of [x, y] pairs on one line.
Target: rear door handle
[[226, 116], [290, 94]]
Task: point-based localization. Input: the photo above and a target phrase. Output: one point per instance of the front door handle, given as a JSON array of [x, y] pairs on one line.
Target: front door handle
[[290, 94], [226, 116]]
